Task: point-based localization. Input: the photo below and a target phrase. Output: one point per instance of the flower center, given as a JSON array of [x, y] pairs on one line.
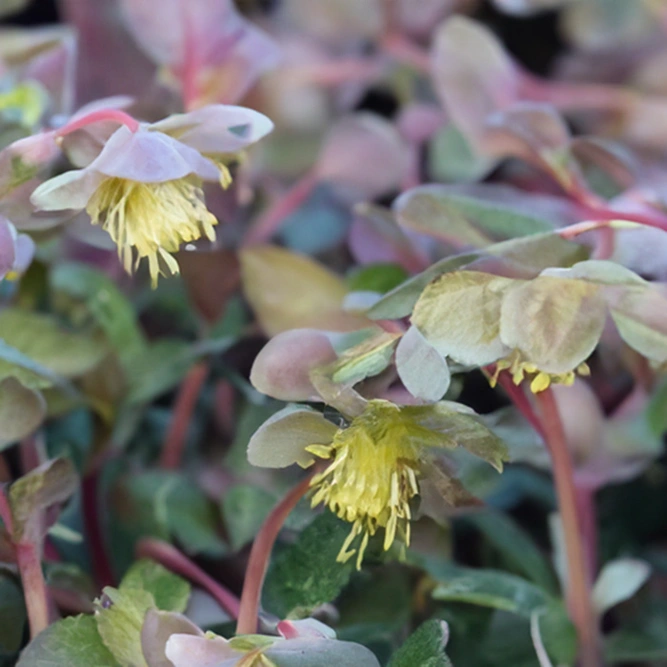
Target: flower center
[[541, 380], [372, 478], [153, 219]]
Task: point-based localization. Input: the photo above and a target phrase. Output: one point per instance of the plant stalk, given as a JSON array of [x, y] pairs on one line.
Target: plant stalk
[[259, 557], [578, 579]]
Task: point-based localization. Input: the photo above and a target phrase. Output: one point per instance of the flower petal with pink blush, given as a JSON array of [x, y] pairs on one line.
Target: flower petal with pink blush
[[186, 650], [150, 157], [307, 627], [217, 128], [7, 252], [70, 190]]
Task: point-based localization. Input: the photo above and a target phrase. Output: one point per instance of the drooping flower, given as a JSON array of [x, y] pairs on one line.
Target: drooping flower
[[376, 466], [145, 186], [542, 329]]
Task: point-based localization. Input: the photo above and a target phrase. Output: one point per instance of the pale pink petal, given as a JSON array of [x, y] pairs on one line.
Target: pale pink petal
[[186, 650], [217, 128], [70, 190], [150, 157]]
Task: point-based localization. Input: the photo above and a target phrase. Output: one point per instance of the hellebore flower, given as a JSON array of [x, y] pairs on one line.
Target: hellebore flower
[[301, 642], [378, 464], [543, 328], [145, 186], [16, 251]]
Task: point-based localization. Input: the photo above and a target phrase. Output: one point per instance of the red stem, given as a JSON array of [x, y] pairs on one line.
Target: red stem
[[578, 580], [174, 444], [174, 560], [34, 586], [91, 519], [267, 224], [259, 558], [588, 514], [97, 116]]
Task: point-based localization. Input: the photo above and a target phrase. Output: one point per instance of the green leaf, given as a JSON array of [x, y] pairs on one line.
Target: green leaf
[[46, 346], [244, 509], [452, 158], [524, 257], [119, 622], [491, 588], [376, 278], [12, 615], [107, 305], [306, 573], [158, 369], [170, 592], [49, 484], [164, 504], [22, 410], [516, 546], [558, 634], [424, 648], [367, 359], [72, 642], [642, 640]]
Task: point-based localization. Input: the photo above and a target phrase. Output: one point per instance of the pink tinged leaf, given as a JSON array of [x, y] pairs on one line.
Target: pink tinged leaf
[[103, 39], [320, 653], [418, 122], [473, 76], [185, 650], [422, 369], [375, 237], [217, 128], [281, 441], [23, 159], [282, 368], [151, 157], [365, 155]]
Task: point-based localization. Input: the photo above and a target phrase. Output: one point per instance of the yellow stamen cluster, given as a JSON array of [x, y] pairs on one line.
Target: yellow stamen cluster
[[152, 218], [541, 380], [372, 477]]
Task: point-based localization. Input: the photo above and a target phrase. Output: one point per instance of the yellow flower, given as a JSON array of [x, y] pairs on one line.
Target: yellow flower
[[153, 219], [379, 463], [372, 478]]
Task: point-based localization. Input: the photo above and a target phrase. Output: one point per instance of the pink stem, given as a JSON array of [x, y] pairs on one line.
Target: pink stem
[[400, 47], [586, 507], [259, 558], [267, 224], [34, 586], [577, 96], [188, 394], [578, 579], [96, 117], [174, 560], [190, 68]]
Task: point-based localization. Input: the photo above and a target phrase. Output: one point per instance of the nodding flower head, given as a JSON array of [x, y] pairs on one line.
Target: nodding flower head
[[372, 476]]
